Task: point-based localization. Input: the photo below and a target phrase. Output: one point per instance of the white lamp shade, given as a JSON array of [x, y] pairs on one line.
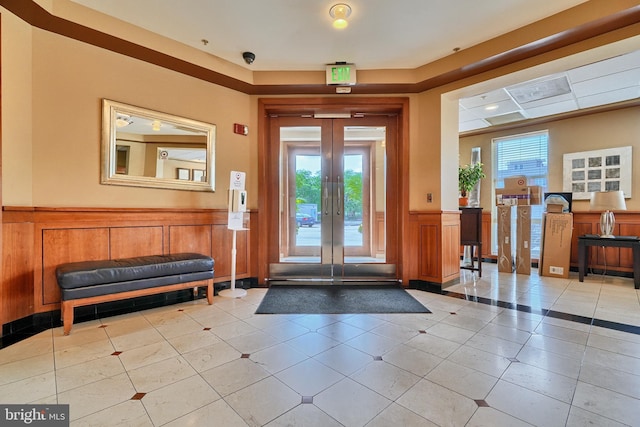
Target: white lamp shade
[[607, 201]]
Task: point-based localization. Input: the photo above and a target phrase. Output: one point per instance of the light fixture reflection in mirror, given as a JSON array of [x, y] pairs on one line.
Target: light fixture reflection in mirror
[[146, 148]]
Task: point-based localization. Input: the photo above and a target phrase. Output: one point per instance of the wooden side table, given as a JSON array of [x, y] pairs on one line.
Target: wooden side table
[[471, 235]]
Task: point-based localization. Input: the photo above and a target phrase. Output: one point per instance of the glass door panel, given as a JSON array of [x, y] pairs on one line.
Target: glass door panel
[[332, 200]]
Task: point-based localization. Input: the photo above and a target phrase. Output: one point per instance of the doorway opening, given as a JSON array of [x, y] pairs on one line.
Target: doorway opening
[[333, 203]]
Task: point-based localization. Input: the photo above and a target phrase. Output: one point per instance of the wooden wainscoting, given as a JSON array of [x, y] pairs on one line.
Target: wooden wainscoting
[[432, 251], [611, 259], [36, 240]]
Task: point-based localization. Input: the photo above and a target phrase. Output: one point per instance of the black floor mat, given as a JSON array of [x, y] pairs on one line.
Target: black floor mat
[[338, 299]]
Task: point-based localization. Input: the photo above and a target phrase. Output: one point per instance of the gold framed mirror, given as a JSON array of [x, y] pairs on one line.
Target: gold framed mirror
[[146, 148]]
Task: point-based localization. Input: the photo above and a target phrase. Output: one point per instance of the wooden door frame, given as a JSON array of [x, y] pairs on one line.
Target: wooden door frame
[[397, 180]]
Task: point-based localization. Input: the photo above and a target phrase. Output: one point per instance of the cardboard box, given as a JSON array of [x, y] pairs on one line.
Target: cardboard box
[[523, 240], [505, 260], [512, 196], [553, 208], [556, 245], [515, 181], [535, 195]]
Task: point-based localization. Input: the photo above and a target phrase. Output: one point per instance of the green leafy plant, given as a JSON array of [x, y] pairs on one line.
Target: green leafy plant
[[468, 177]]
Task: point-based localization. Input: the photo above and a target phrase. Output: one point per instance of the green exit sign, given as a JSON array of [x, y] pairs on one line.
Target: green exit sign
[[341, 74]]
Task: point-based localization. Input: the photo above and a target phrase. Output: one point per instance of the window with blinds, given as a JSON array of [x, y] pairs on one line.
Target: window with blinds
[[524, 154]]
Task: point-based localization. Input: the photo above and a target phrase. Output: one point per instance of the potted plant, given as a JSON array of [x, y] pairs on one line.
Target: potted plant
[[468, 177]]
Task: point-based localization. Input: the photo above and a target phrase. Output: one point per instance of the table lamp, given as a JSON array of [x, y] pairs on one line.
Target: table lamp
[[607, 201]]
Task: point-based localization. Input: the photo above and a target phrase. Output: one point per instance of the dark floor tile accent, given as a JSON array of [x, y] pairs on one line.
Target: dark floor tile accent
[[616, 326], [307, 399], [29, 326], [206, 329], [543, 312], [422, 331], [116, 353], [138, 396], [453, 313], [377, 358], [245, 356], [102, 326], [570, 317], [482, 403]]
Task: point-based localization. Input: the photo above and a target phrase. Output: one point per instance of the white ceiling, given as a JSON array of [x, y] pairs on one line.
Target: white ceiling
[[604, 82], [298, 35], [400, 34]]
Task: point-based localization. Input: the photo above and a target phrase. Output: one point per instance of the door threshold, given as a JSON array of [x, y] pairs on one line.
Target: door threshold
[[328, 281]]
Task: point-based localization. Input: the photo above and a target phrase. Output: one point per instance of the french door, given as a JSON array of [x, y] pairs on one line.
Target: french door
[[332, 208]]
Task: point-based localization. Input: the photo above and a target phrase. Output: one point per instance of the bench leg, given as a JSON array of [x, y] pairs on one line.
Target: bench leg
[[210, 292], [67, 317]]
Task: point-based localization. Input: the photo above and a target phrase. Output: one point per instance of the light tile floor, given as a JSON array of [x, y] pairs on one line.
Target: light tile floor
[[465, 364]]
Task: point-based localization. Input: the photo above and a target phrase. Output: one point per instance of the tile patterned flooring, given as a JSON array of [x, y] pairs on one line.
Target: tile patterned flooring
[[465, 364]]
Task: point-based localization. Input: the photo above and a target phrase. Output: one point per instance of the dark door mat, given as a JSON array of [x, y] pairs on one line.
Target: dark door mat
[[338, 299]]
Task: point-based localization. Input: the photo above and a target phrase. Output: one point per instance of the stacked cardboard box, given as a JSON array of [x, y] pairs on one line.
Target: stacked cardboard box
[[505, 260], [556, 244], [516, 193], [523, 240]]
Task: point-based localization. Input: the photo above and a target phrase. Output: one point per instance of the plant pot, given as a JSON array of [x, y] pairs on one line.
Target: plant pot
[[463, 201]]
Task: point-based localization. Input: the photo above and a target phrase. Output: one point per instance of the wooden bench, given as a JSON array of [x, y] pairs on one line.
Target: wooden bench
[[93, 282]]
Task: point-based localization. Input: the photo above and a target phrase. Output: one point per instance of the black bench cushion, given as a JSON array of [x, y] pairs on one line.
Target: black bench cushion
[[91, 273]]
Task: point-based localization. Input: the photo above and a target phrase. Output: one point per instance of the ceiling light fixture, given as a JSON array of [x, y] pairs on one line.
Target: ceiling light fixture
[[156, 125], [340, 12], [123, 120]]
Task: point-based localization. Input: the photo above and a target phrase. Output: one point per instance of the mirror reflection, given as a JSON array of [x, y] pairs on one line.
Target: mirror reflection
[[147, 148]]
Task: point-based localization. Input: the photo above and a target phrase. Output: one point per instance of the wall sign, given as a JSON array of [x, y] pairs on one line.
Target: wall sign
[[341, 74]]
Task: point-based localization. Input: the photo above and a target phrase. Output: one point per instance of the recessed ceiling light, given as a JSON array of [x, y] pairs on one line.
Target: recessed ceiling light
[[491, 107]]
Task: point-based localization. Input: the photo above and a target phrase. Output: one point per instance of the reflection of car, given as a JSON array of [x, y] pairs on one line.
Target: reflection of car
[[304, 219]]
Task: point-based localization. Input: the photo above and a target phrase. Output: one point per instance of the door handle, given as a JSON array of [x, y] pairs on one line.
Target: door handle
[[326, 195], [339, 204]]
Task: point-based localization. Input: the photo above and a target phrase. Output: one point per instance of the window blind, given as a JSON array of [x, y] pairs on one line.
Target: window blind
[[523, 154]]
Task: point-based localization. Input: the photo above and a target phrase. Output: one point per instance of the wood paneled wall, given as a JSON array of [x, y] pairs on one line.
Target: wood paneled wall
[[36, 240], [433, 240], [432, 235]]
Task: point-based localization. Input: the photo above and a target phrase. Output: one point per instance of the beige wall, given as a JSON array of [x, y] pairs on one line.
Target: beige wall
[[52, 122], [17, 165], [52, 87], [619, 128]]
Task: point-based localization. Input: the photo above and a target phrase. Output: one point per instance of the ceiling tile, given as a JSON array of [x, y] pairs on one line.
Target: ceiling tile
[[610, 82], [471, 125], [485, 99], [502, 107], [551, 109], [605, 67], [605, 82], [609, 97], [466, 115]]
